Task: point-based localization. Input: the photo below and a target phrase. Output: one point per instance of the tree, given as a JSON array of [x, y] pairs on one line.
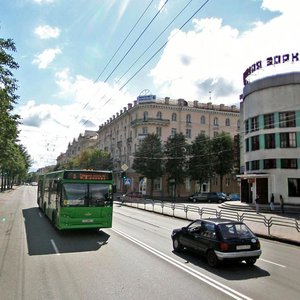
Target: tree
[[176, 159], [222, 155], [95, 159], [148, 159], [200, 166], [14, 160]]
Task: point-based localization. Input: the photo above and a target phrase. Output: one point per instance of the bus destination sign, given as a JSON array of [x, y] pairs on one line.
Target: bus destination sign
[[88, 175]]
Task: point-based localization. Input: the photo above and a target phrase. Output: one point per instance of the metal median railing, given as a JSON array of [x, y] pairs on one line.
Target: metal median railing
[[191, 212]]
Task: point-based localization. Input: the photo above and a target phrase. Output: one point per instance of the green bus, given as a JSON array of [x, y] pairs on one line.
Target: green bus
[[77, 198]]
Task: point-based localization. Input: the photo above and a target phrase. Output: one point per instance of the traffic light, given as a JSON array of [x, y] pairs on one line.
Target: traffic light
[[123, 175]]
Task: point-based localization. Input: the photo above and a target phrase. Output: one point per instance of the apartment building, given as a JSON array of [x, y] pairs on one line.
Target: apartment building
[[122, 134], [84, 141], [270, 155]]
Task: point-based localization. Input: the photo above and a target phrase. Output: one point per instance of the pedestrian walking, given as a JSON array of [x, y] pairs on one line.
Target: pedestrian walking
[[272, 202], [281, 203], [257, 203]]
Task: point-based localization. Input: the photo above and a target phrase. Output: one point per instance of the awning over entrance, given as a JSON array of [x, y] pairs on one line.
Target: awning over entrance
[[253, 175]]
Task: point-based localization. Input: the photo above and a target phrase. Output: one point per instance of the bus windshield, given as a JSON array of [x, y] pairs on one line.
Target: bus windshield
[[87, 194]]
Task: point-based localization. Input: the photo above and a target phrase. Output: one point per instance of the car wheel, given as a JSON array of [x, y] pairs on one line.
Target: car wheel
[[212, 259], [176, 245], [250, 261], [220, 201], [194, 200]]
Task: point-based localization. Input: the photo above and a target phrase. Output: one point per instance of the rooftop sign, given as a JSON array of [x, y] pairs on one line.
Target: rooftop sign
[[146, 98], [270, 61]]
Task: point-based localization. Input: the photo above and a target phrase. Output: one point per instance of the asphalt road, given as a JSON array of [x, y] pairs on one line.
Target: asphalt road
[[133, 260]]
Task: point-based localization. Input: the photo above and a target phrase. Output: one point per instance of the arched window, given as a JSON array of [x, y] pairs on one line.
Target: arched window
[[188, 118], [227, 122], [159, 115], [145, 116], [202, 120], [216, 121], [174, 117]]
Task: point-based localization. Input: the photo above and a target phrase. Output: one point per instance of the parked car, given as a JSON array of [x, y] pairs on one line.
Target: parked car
[[219, 240], [131, 196], [209, 197], [234, 197]]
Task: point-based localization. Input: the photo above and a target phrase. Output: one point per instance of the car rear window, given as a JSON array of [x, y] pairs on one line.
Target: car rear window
[[234, 231]]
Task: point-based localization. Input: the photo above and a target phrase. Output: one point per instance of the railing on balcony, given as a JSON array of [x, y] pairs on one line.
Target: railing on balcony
[[150, 121]]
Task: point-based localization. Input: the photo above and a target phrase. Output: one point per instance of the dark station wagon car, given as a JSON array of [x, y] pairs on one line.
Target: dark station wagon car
[[219, 240], [209, 197]]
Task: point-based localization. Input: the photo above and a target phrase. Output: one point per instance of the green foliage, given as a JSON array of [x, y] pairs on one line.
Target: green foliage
[[200, 165], [90, 159], [176, 158], [14, 160], [222, 155], [148, 158]]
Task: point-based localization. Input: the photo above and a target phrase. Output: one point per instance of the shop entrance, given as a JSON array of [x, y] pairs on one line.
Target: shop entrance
[[262, 190]]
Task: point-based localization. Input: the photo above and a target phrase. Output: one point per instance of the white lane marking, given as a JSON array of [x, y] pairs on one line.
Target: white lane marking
[[41, 215], [54, 247], [210, 281], [273, 263]]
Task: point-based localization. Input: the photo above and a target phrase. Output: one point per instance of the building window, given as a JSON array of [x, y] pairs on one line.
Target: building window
[[287, 119], [269, 121], [238, 124], [227, 181], [159, 115], [158, 131], [255, 143], [247, 166], [202, 120], [216, 121], [294, 187], [227, 122], [145, 130], [270, 141], [254, 124], [173, 131], [188, 133], [270, 163], [246, 127], [255, 165], [202, 132], [157, 184], [288, 140], [216, 133], [247, 145], [289, 163], [188, 118], [145, 116], [174, 117]]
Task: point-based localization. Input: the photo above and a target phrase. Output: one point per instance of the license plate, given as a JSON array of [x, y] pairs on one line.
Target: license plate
[[88, 221], [243, 247]]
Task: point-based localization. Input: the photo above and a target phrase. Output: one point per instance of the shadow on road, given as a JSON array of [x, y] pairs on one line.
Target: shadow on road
[[229, 271], [43, 238]]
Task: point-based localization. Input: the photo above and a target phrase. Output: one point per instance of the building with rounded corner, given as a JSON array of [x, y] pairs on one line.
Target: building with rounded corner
[[270, 159]]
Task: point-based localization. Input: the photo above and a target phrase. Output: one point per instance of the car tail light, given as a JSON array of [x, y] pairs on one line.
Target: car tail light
[[224, 246], [258, 244]]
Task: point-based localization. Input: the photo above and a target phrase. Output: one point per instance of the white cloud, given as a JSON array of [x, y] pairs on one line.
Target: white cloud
[[47, 32], [46, 57], [47, 129], [213, 56]]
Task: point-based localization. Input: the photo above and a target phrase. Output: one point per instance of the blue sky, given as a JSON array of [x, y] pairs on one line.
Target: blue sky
[[63, 47]]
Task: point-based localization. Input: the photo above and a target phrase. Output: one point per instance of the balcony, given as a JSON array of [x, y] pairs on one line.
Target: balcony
[[150, 121]]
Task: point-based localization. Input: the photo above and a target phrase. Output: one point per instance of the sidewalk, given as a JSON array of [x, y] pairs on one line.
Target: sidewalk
[[282, 226]]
